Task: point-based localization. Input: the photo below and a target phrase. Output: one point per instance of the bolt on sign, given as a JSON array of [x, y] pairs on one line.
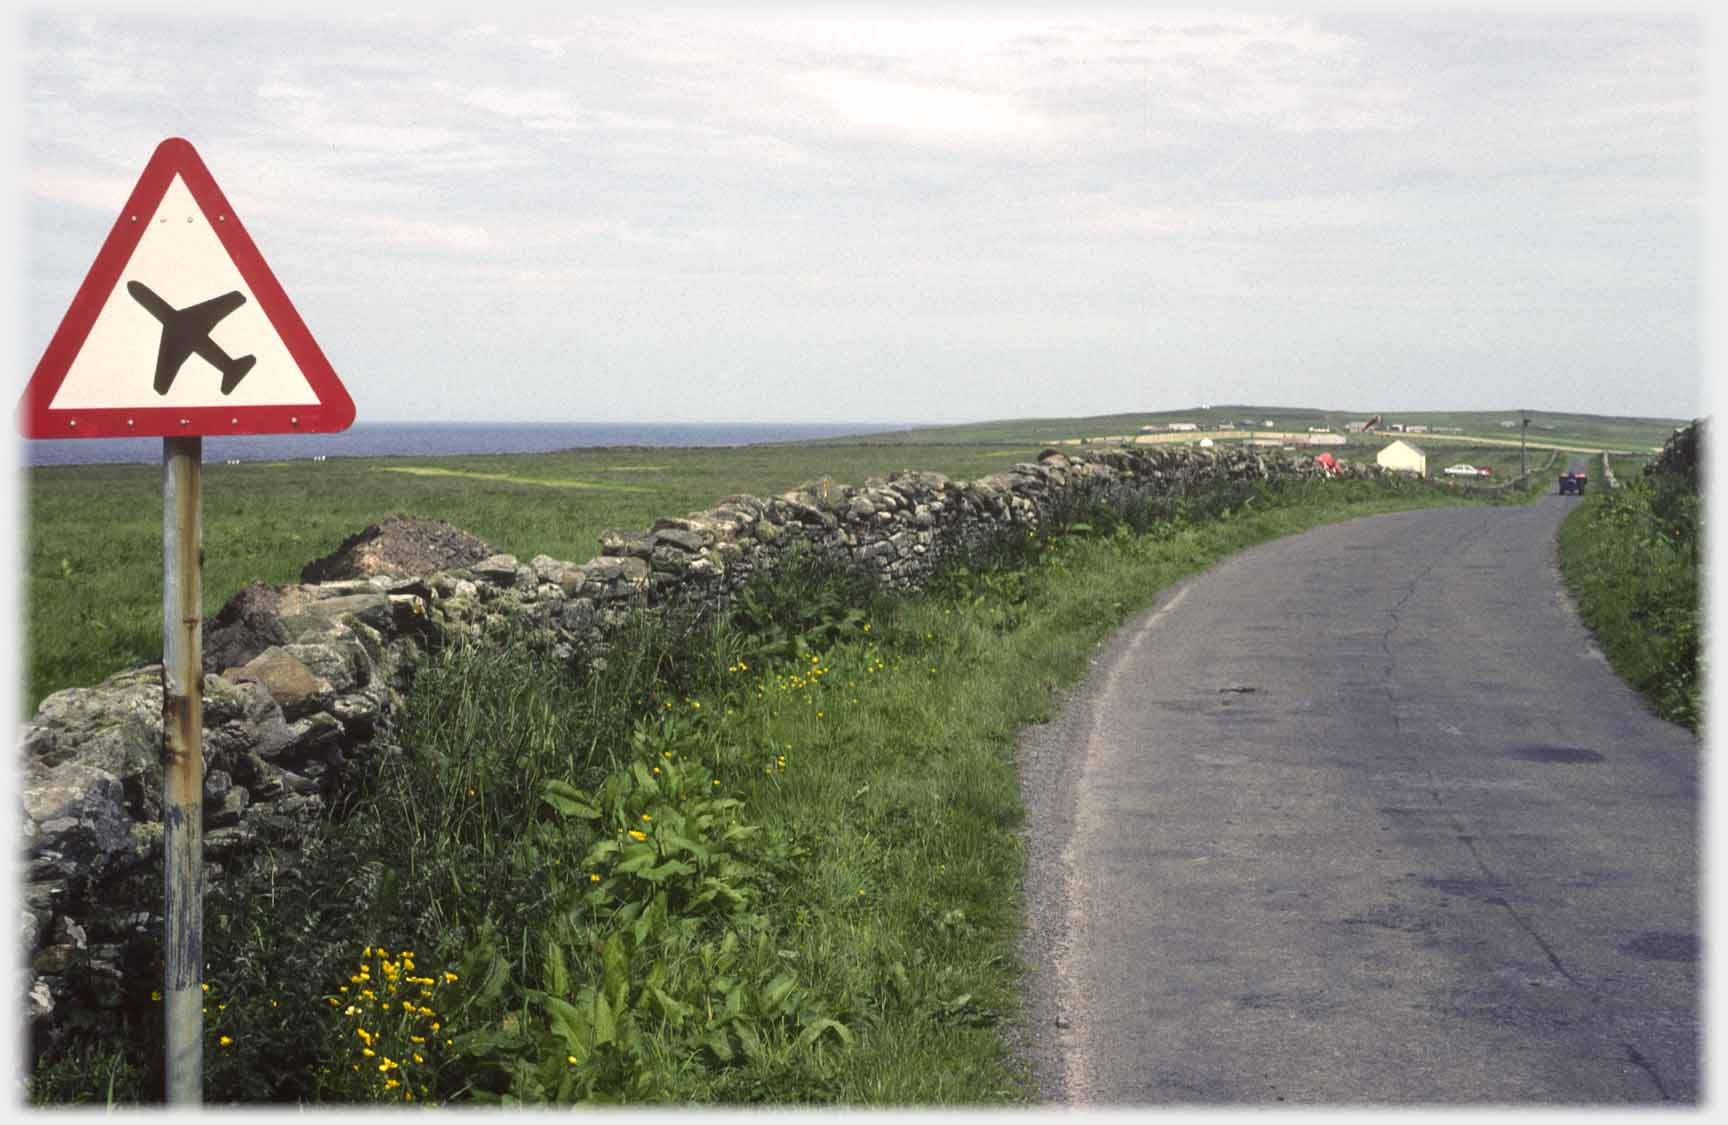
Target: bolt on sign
[[180, 331]]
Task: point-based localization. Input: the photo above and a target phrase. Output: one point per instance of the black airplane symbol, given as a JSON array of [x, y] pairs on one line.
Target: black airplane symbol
[[186, 332]]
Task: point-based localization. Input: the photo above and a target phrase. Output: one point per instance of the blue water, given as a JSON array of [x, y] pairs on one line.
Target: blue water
[[439, 439]]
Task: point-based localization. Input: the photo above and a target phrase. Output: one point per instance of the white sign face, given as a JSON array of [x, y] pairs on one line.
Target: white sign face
[[181, 328]]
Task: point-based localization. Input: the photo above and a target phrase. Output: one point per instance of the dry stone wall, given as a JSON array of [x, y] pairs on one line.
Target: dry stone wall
[[300, 679]]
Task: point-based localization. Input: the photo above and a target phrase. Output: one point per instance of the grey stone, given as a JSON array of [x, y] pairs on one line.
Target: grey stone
[[115, 727], [344, 667], [688, 541], [292, 686], [80, 816], [578, 615], [244, 627], [670, 560], [500, 570], [314, 620], [619, 544]]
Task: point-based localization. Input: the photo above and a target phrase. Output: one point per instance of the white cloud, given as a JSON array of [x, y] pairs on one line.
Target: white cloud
[[803, 182], [920, 111], [79, 189]]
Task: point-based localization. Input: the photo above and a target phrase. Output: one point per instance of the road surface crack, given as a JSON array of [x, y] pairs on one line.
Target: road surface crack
[[1648, 1068], [1391, 680], [1469, 842]]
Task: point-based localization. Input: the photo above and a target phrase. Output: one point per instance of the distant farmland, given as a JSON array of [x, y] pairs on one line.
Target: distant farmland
[[1580, 432]]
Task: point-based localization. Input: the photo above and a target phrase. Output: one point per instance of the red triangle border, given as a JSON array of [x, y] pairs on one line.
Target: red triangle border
[[175, 156]]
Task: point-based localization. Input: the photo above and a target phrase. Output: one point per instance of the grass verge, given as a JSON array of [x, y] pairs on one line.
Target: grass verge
[[1631, 558]]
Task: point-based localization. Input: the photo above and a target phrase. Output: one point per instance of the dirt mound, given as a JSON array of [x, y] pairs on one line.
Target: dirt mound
[[399, 547]]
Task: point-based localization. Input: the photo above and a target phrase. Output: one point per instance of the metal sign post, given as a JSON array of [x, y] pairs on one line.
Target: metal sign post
[[179, 280], [183, 767]]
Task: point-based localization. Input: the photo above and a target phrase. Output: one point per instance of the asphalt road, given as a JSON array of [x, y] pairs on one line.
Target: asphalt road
[[1361, 817]]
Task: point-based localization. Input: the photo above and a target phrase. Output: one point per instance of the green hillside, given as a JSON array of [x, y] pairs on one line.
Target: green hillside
[[1593, 431]]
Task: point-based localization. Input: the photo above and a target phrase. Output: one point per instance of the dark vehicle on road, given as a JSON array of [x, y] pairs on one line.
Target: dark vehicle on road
[[1572, 483]]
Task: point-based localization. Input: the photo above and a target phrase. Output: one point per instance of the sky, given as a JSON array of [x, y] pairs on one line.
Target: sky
[[915, 214]]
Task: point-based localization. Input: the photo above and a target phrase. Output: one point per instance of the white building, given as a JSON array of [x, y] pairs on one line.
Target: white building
[[1183, 426], [1403, 457], [1325, 437]]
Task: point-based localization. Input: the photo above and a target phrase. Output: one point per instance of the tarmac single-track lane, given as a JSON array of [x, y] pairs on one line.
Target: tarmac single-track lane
[[1360, 816]]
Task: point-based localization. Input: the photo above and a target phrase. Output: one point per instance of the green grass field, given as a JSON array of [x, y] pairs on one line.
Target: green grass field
[[93, 533]]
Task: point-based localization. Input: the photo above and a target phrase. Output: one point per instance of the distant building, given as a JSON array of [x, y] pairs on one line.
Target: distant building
[[1325, 437], [1183, 426], [1269, 423], [1319, 429], [1415, 429], [1354, 427], [1207, 443], [1403, 457], [1507, 425]]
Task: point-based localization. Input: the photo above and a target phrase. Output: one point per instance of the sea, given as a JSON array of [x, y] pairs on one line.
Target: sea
[[442, 439]]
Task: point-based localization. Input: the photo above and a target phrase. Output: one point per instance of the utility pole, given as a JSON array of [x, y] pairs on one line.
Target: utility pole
[[1523, 429]]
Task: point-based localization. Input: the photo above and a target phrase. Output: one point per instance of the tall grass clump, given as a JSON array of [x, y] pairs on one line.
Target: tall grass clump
[[1631, 558]]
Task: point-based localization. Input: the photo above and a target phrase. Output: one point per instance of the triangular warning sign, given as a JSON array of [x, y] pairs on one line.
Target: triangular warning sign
[[180, 328]]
